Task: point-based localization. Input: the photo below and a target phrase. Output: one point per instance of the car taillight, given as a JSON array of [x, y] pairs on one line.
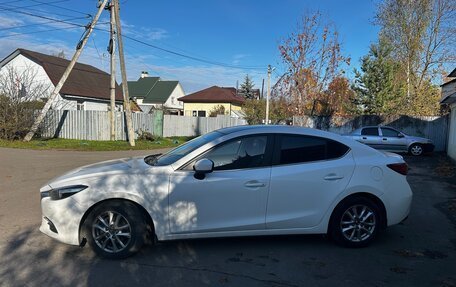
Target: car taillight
[[401, 168]]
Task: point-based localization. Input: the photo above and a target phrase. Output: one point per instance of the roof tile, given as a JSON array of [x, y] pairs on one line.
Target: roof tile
[[83, 81], [214, 94]]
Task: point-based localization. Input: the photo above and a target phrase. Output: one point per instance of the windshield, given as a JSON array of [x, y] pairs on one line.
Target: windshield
[[182, 150]]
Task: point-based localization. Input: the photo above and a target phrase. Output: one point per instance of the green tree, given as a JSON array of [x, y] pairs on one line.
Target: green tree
[[246, 89], [376, 86], [421, 33], [255, 111], [217, 110]]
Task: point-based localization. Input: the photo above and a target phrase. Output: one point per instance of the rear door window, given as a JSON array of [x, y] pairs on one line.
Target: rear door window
[[386, 132], [299, 149], [369, 132]]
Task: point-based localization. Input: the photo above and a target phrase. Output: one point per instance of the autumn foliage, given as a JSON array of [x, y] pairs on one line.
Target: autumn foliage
[[313, 83]]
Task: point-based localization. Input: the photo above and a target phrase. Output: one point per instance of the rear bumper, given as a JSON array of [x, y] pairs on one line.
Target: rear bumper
[[398, 200]]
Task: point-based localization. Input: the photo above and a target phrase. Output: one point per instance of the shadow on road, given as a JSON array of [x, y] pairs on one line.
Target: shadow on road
[[32, 259], [419, 252]]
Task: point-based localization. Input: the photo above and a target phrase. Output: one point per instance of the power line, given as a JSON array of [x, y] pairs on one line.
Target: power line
[[36, 32], [48, 18], [13, 8], [9, 2], [191, 57], [60, 7], [39, 24], [215, 63]]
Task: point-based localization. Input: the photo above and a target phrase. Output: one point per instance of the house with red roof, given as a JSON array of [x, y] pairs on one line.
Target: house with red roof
[[87, 87], [202, 103]]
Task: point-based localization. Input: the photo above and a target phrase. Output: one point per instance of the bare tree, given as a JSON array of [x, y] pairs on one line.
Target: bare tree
[[21, 93], [313, 59]]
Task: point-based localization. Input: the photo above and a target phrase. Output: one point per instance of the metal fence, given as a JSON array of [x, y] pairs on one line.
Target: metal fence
[[95, 125], [434, 128]]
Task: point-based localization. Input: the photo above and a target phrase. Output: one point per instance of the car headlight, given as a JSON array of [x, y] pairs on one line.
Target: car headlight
[[64, 192]]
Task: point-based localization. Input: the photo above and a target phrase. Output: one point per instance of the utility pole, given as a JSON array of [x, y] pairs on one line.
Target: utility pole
[[268, 94], [262, 90], [126, 97], [112, 52], [58, 87]]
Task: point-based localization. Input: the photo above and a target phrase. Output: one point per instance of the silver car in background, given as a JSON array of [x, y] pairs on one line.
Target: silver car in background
[[390, 139]]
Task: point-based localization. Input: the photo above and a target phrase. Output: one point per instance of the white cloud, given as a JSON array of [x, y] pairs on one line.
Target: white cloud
[[191, 77], [8, 22], [237, 58], [156, 33], [143, 33], [195, 78]]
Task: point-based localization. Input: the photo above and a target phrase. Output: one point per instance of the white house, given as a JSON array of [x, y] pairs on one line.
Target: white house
[[87, 88], [154, 93], [449, 97]]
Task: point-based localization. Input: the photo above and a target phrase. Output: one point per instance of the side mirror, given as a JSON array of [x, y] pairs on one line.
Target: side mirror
[[203, 166], [399, 135]]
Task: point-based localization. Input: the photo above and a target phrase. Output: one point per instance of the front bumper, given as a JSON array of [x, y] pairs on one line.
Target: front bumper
[[60, 219]]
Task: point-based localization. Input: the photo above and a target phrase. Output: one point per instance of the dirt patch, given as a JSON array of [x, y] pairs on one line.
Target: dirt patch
[[431, 254], [445, 168], [400, 270]]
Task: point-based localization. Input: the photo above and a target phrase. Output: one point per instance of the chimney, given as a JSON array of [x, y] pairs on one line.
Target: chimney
[[144, 74]]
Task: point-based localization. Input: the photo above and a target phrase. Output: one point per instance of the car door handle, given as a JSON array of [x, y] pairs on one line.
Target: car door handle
[[333, 177], [385, 139], [254, 183], [364, 138]]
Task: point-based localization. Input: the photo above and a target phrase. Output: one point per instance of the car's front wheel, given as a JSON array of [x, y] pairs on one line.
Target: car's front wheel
[[416, 149], [355, 222], [115, 229]]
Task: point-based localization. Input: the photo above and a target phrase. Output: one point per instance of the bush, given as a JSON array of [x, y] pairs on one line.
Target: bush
[[147, 136]]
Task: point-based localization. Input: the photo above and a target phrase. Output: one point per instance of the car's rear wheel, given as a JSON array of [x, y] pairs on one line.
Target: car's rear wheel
[[416, 149], [115, 229], [355, 222]]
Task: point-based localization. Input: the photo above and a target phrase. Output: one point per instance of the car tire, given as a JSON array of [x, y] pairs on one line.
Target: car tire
[[416, 149], [355, 222], [115, 229]]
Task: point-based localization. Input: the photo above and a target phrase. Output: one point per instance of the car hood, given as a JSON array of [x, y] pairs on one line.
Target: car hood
[[124, 165]]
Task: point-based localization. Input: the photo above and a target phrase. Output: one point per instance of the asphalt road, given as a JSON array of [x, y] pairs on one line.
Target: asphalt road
[[419, 252]]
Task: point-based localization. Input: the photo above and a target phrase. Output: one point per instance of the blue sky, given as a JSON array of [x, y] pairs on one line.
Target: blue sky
[[242, 33]]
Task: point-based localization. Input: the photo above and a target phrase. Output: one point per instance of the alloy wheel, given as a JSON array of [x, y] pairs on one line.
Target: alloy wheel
[[416, 150], [358, 223], [111, 231]]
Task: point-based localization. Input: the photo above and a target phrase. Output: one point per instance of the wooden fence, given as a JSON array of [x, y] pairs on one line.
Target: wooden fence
[[95, 125], [193, 126]]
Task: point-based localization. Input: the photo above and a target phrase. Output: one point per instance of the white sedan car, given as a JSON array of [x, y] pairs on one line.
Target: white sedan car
[[238, 181]]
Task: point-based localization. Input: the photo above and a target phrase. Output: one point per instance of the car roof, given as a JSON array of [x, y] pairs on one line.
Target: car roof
[[266, 129], [284, 129]]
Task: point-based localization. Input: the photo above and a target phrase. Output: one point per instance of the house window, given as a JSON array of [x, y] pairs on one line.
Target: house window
[[80, 106], [198, 113]]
